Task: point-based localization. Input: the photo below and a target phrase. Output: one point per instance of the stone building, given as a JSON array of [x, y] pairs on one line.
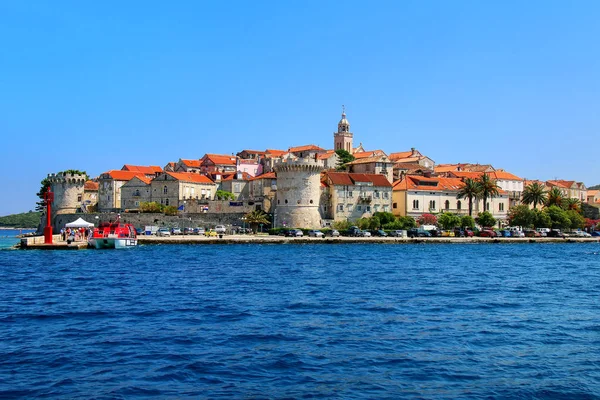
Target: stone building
[[90, 196], [212, 163], [299, 191], [68, 189], [350, 196], [236, 183], [342, 139], [109, 188], [263, 188], [373, 165], [172, 188], [136, 191]]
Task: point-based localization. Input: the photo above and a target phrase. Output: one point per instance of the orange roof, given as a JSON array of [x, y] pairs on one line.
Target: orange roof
[[305, 148], [90, 185], [252, 152], [190, 177], [220, 159], [275, 153], [119, 175], [562, 183], [268, 175], [364, 154], [399, 155], [326, 155], [349, 179], [503, 175], [466, 174], [367, 160], [415, 182], [230, 177], [191, 163], [148, 170]]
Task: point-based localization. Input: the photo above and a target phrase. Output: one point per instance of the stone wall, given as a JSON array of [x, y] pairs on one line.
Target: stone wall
[[207, 220]]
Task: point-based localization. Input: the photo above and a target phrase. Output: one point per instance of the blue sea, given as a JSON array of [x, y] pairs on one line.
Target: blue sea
[[345, 321]]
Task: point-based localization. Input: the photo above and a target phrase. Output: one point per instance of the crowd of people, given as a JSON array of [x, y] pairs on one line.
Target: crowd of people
[[75, 234]]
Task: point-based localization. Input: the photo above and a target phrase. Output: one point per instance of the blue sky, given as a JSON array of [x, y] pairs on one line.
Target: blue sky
[[95, 85]]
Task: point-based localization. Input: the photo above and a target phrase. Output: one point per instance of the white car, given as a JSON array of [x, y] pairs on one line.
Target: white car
[[220, 229], [316, 233], [163, 232]]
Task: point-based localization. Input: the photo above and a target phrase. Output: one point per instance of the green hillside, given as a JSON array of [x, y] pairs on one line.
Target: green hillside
[[24, 220]]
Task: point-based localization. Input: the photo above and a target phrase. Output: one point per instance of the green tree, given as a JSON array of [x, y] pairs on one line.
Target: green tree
[[542, 219], [558, 217], [151, 207], [469, 191], [448, 220], [224, 195], [256, 218], [577, 220], [555, 197], [385, 217], [374, 223], [341, 225], [41, 205], [571, 204], [535, 194], [344, 157], [407, 222], [363, 223], [24, 220], [486, 220], [170, 210], [488, 189], [467, 221], [521, 215]]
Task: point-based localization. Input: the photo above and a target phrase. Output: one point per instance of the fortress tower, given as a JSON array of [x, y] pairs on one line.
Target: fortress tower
[[298, 192], [68, 192], [342, 139]]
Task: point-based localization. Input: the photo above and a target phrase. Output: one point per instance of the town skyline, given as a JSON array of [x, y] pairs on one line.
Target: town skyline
[[87, 87]]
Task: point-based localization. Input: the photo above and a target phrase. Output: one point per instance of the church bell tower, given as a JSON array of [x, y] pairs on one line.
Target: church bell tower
[[342, 139]]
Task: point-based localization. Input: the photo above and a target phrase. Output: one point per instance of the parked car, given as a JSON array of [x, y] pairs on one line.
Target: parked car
[[297, 233], [487, 233], [580, 234], [220, 229], [416, 232], [139, 231], [515, 233], [365, 234], [469, 232], [353, 231], [503, 233], [531, 233], [188, 231], [175, 231], [398, 233], [163, 232], [316, 233], [555, 233], [199, 231], [448, 233], [380, 233], [596, 233], [333, 233], [543, 231], [210, 232]]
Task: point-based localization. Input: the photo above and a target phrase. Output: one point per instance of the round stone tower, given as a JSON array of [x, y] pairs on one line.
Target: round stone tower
[[68, 192], [298, 192]]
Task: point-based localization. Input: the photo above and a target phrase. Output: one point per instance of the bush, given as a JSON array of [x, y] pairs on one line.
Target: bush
[[170, 210]]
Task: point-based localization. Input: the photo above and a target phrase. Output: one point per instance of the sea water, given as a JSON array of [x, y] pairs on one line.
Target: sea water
[[364, 321]]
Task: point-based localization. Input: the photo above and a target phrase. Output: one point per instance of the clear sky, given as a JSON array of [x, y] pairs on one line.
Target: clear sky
[[95, 85]]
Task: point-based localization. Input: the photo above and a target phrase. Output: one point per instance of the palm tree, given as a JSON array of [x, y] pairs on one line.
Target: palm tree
[[571, 204], [534, 193], [487, 188], [256, 217], [469, 191], [555, 197]]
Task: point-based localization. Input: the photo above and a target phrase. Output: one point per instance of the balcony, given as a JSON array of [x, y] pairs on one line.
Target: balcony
[[365, 198]]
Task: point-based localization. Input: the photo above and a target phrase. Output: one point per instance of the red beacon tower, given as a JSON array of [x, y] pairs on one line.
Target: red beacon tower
[[48, 198]]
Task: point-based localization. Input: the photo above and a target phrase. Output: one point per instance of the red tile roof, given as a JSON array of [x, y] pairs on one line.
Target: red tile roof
[[305, 148], [415, 182], [191, 163], [324, 156], [90, 185], [119, 175], [345, 178], [399, 155], [220, 159], [268, 175], [230, 177], [190, 177], [275, 153], [148, 170], [364, 154]]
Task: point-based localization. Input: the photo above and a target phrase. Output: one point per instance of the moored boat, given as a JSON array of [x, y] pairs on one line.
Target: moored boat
[[113, 235]]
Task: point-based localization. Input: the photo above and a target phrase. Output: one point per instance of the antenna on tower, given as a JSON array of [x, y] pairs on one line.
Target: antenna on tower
[[343, 109]]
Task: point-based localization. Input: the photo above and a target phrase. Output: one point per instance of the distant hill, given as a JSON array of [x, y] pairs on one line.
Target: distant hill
[[595, 187], [24, 220]]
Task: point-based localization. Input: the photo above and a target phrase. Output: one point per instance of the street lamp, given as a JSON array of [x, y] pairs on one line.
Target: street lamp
[[244, 224]]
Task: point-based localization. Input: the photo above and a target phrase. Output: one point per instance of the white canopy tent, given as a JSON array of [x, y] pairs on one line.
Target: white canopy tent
[[79, 223]]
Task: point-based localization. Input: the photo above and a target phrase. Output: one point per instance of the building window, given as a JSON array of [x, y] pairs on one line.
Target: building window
[[487, 206], [447, 204], [311, 201], [415, 204], [358, 208], [137, 192], [165, 190], [395, 205], [458, 205], [137, 203], [79, 198], [285, 201], [368, 209], [501, 207], [386, 195], [298, 201], [432, 204], [340, 207], [350, 193], [278, 201], [376, 194], [349, 207], [166, 202]]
